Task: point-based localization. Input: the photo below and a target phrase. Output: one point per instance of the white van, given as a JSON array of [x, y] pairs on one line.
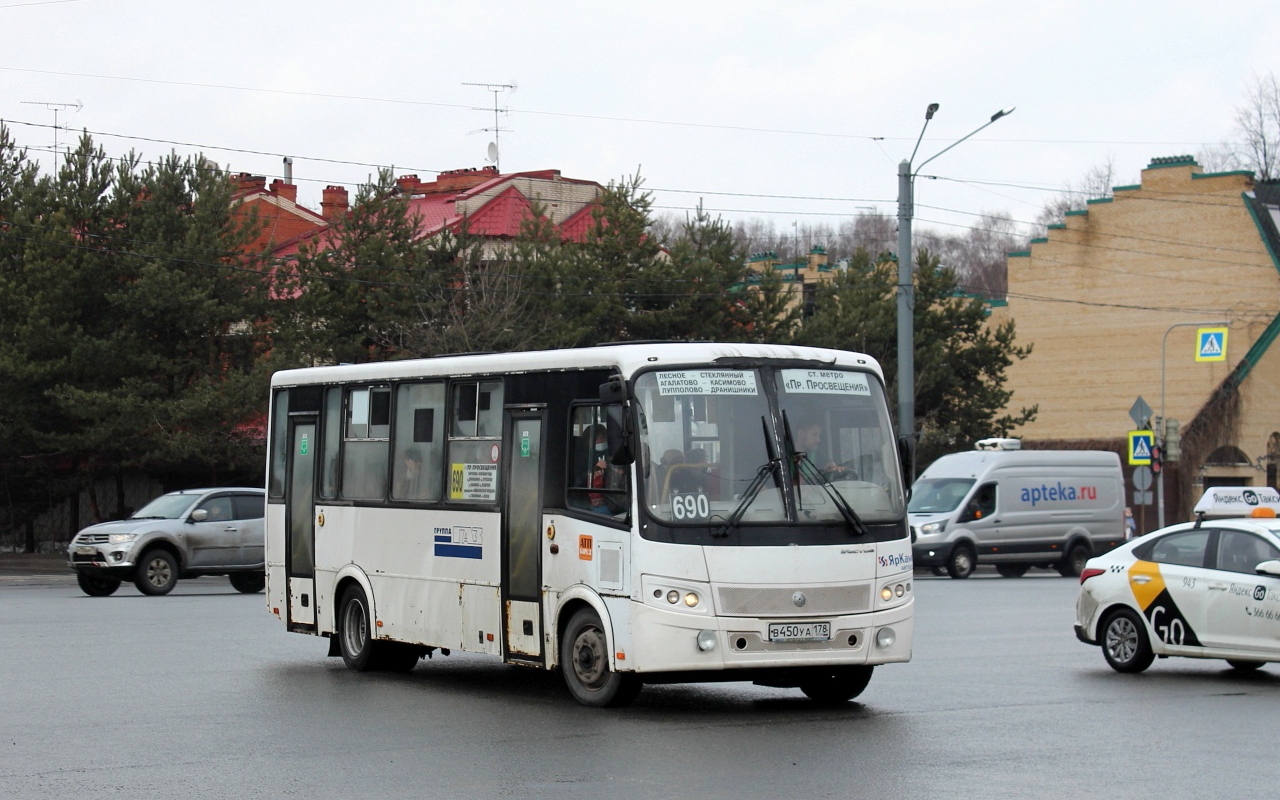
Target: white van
[[1016, 509]]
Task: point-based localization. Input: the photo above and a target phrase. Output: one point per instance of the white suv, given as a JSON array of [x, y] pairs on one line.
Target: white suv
[[181, 534]]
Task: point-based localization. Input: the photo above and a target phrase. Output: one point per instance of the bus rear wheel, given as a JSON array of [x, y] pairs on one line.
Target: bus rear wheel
[[584, 661], [838, 685]]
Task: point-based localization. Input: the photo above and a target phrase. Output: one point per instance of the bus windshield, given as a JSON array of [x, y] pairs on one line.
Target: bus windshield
[[938, 495], [707, 434]]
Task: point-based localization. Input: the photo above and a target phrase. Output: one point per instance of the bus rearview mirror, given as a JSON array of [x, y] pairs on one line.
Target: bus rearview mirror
[[618, 434]]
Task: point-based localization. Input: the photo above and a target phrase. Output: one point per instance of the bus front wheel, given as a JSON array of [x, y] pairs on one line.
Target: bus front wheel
[[584, 661], [836, 685]]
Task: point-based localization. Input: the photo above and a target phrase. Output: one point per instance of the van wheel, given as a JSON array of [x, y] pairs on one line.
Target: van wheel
[[584, 661], [157, 573], [95, 586], [835, 686], [1012, 570], [1124, 642], [1072, 564], [939, 571], [961, 562]]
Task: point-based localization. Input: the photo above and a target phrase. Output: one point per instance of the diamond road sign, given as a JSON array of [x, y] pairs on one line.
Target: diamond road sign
[[1140, 413]]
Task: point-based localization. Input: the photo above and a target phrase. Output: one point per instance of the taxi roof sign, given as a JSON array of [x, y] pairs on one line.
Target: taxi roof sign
[[1237, 501]]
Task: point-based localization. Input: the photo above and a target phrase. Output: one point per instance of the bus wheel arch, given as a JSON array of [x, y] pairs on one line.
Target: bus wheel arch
[[346, 577], [586, 662], [575, 599]]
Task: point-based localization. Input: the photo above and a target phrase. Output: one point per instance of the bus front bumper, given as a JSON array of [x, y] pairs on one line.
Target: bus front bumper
[[670, 641]]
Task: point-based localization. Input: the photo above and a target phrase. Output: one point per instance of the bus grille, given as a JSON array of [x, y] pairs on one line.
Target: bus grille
[[755, 601]]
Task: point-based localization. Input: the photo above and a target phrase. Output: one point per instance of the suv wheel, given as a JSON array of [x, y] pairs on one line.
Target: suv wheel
[[248, 582], [95, 586], [157, 573]]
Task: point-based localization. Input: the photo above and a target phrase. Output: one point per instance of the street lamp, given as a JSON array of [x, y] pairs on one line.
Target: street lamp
[[1164, 341], [906, 289]]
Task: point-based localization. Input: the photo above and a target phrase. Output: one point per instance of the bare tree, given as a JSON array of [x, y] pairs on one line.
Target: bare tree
[[1096, 183], [1258, 128]]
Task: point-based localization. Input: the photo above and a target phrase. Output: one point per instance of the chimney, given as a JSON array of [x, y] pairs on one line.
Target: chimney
[[333, 202], [247, 184], [286, 190]]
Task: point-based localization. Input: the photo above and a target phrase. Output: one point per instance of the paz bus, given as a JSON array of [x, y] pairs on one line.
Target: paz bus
[[627, 514]]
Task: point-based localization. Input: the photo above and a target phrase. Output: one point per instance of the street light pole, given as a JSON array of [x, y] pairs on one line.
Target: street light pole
[[906, 286], [1164, 341]]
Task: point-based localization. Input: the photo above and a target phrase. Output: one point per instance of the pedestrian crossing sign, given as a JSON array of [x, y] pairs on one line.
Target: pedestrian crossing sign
[[1211, 344], [1140, 444]]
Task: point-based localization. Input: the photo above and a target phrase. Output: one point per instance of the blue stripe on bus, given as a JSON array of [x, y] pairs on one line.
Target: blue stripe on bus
[[458, 550], [446, 538]]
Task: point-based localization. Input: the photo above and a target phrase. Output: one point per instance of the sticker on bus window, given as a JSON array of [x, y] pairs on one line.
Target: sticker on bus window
[[473, 482], [819, 381], [707, 381]]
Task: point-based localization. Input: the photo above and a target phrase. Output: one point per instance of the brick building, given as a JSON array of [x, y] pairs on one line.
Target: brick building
[[1101, 294], [801, 277]]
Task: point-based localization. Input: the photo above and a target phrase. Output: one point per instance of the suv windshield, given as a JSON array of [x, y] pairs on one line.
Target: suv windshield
[[166, 506], [938, 495], [708, 433]]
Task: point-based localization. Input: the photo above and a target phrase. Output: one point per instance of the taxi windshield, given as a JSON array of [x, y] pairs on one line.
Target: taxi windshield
[[938, 495]]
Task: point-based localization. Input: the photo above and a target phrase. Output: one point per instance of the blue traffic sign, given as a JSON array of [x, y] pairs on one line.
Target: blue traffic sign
[[1140, 444], [1211, 344]]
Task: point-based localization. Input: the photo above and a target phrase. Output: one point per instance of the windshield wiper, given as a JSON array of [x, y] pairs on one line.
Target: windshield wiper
[[766, 469], [149, 517], [814, 475]]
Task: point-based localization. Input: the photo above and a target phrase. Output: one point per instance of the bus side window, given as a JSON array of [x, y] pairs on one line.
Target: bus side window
[[419, 442], [594, 484], [279, 442], [332, 440], [364, 455], [475, 442]]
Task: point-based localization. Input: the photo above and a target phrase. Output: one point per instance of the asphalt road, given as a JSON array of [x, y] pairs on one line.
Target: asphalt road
[[203, 694]]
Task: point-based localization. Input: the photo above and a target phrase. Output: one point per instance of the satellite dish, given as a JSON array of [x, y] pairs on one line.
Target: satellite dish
[[493, 152]]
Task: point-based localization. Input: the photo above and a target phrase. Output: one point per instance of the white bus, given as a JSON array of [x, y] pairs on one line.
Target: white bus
[[628, 514]]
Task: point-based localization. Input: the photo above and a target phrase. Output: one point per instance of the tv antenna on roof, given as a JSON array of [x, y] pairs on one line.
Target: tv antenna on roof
[[55, 108], [496, 88]]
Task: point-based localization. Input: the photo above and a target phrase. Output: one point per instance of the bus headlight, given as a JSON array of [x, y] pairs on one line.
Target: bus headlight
[[673, 597], [886, 593], [691, 599], [706, 641], [885, 637]]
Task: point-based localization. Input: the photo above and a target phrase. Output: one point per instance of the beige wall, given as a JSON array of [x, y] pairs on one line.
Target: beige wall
[[1097, 297]]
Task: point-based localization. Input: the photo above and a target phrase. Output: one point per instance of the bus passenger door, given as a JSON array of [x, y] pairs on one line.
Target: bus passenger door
[[300, 512], [522, 538]]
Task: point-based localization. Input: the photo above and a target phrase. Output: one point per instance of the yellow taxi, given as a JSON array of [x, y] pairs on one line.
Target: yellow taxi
[[1203, 589]]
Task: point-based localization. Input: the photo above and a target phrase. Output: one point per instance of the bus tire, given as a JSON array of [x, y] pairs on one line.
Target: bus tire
[[355, 630], [94, 586], [157, 573], [961, 562], [248, 582], [584, 662], [832, 686]]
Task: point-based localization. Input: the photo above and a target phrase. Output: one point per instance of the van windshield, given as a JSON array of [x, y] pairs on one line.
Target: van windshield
[[938, 495]]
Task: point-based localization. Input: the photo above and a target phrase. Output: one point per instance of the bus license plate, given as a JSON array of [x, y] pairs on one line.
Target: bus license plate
[[800, 632]]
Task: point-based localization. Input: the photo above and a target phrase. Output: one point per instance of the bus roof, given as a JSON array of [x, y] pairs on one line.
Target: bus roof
[[627, 358]]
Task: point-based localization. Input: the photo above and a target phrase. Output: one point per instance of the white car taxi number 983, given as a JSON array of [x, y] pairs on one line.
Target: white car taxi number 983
[[1203, 589]]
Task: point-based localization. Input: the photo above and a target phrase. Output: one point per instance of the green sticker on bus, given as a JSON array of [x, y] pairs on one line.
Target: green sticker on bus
[[302, 446]]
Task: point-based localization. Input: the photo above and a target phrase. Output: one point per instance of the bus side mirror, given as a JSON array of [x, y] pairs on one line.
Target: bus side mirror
[[907, 455], [617, 427], [617, 422]]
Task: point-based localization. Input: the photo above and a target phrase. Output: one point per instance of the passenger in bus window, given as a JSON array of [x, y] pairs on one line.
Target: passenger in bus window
[[409, 483], [604, 476]]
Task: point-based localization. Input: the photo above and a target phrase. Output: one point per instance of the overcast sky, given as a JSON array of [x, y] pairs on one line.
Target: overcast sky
[[802, 99]]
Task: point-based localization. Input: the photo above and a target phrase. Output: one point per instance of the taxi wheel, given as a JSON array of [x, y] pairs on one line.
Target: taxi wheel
[[157, 573], [1124, 642], [1244, 666], [839, 685], [961, 562], [584, 662], [97, 587]]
